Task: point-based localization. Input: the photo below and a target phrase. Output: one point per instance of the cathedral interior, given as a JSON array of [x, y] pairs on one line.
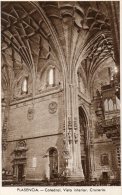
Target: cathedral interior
[[60, 92]]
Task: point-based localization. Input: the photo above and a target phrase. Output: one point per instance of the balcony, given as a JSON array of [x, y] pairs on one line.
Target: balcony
[[111, 123], [111, 127]]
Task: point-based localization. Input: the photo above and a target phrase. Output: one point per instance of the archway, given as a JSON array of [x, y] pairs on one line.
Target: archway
[[84, 143], [53, 162]]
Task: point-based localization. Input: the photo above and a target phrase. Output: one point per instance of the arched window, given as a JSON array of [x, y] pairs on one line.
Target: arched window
[[51, 79], [25, 85], [106, 105]]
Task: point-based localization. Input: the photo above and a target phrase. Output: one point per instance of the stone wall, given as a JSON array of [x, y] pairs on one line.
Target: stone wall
[[41, 132], [100, 148]]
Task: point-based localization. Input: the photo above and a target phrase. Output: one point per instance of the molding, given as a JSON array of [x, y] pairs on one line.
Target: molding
[[41, 136], [102, 142], [43, 94]]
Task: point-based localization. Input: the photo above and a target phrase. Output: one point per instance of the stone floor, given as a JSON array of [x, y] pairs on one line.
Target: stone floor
[[59, 183]]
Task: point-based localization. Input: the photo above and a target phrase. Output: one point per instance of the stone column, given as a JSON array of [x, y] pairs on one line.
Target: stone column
[[74, 171]]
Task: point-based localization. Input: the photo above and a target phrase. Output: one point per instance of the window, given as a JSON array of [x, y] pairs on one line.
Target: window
[[104, 159], [25, 85], [51, 77]]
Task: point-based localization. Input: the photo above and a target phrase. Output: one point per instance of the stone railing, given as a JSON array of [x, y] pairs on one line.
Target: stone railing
[[109, 126], [111, 122]]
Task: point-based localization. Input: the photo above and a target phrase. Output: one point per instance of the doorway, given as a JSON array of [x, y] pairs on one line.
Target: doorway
[[20, 172], [105, 176], [85, 161], [53, 163]]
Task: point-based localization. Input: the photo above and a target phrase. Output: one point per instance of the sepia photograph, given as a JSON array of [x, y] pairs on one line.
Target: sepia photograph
[[60, 93]]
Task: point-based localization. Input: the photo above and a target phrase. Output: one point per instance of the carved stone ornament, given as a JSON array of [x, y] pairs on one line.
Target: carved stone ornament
[[66, 154], [4, 145], [52, 107], [21, 143], [30, 113]]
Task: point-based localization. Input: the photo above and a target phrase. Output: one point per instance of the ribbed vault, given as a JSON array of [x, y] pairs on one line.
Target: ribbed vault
[[72, 34]]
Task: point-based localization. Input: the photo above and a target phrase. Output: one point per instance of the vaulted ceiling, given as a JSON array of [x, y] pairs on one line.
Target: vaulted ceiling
[[72, 34]]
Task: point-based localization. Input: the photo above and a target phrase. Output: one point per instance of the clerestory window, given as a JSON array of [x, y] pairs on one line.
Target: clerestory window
[[25, 85], [51, 79]]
